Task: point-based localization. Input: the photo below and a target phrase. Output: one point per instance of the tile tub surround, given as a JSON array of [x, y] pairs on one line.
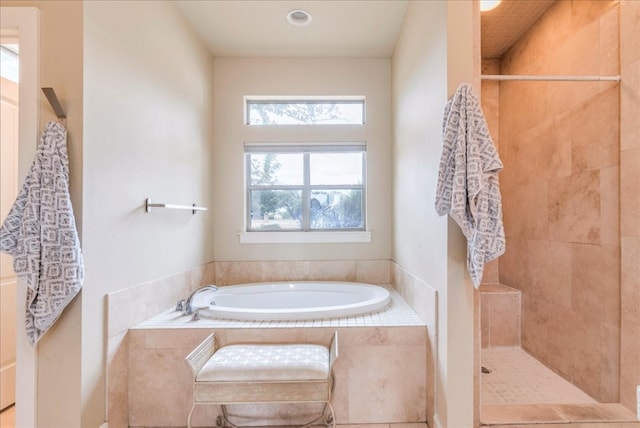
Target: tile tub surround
[[384, 354], [128, 307], [241, 272], [397, 314], [424, 301], [132, 305], [380, 373]]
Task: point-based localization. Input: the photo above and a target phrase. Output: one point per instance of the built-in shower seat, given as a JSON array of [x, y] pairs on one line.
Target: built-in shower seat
[[263, 373]]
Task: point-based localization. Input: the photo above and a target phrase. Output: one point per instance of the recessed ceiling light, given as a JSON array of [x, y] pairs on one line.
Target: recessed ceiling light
[[299, 17], [486, 5]]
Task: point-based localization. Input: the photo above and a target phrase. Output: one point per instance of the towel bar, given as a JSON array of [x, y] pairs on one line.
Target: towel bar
[[193, 208]]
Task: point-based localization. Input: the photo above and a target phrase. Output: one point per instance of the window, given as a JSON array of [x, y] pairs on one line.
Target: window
[[305, 187], [270, 111], [9, 62]]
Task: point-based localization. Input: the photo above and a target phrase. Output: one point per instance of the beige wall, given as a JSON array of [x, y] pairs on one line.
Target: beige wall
[[236, 78], [559, 142], [147, 133], [437, 45], [419, 95], [61, 68], [147, 117], [419, 239], [58, 352]]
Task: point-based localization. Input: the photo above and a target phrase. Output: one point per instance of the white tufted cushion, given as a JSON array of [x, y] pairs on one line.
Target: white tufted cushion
[[266, 363]]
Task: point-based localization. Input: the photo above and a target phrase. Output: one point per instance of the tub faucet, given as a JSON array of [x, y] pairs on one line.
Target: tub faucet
[[185, 305]]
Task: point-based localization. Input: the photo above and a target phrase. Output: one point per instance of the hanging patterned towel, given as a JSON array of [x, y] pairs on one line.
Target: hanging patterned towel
[[40, 233], [468, 188]]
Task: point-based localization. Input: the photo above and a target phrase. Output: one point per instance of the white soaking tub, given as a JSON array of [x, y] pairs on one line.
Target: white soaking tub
[[295, 300]]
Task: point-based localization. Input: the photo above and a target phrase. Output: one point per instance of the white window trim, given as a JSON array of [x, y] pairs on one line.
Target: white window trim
[[316, 237], [333, 235]]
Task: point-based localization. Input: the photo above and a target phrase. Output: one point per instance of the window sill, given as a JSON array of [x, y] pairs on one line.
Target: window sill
[[304, 237]]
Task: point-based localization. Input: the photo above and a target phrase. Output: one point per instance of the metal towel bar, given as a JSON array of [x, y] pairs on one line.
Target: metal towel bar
[[193, 208], [550, 78]]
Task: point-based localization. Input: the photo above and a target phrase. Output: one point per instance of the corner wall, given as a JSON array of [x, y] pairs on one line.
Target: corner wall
[[148, 91], [439, 43], [58, 352]]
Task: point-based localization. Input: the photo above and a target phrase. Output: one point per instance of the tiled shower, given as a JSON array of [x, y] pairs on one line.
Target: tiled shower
[[563, 291]]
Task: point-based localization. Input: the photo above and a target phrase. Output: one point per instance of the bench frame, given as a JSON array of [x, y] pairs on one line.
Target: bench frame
[[223, 393]]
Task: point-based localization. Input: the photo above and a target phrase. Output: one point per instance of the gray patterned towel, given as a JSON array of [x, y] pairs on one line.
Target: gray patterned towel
[[468, 188], [40, 233]]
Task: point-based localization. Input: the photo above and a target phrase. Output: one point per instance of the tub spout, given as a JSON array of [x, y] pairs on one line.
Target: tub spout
[[187, 308]]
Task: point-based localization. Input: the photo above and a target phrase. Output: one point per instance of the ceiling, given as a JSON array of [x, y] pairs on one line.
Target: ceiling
[[259, 28], [339, 28], [504, 25]]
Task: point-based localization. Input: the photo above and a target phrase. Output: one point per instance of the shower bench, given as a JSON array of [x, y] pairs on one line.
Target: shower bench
[[263, 373]]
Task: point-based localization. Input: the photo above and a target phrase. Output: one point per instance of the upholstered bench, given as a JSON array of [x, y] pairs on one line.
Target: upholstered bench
[[263, 373]]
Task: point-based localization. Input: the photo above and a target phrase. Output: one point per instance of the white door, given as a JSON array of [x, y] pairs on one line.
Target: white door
[[8, 193], [22, 24]]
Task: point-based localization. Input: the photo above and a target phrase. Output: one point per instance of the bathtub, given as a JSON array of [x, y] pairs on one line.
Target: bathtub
[[298, 300]]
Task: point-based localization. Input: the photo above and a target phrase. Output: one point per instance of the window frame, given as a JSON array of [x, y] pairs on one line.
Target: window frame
[[306, 149], [255, 99]]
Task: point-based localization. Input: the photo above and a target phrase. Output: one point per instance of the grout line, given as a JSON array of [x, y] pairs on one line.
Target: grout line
[[398, 314]]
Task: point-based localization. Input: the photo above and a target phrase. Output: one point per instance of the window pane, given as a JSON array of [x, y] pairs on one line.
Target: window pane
[[9, 62], [336, 209], [276, 209], [268, 169], [336, 168], [313, 112]]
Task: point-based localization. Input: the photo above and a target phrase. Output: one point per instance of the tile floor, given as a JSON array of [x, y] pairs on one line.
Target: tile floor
[[7, 420], [398, 425], [518, 378], [520, 391]]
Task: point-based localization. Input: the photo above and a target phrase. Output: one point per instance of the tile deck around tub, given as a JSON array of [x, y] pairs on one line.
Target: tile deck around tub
[[397, 314]]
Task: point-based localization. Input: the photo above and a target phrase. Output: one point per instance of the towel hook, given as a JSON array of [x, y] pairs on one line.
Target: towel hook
[[55, 103]]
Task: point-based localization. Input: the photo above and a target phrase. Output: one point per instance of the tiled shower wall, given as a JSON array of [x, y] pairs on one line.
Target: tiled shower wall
[[630, 200], [560, 143], [490, 100]]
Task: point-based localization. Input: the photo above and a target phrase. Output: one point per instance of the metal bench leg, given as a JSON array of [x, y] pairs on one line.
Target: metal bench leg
[[325, 418], [331, 418], [193, 406], [223, 421]]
